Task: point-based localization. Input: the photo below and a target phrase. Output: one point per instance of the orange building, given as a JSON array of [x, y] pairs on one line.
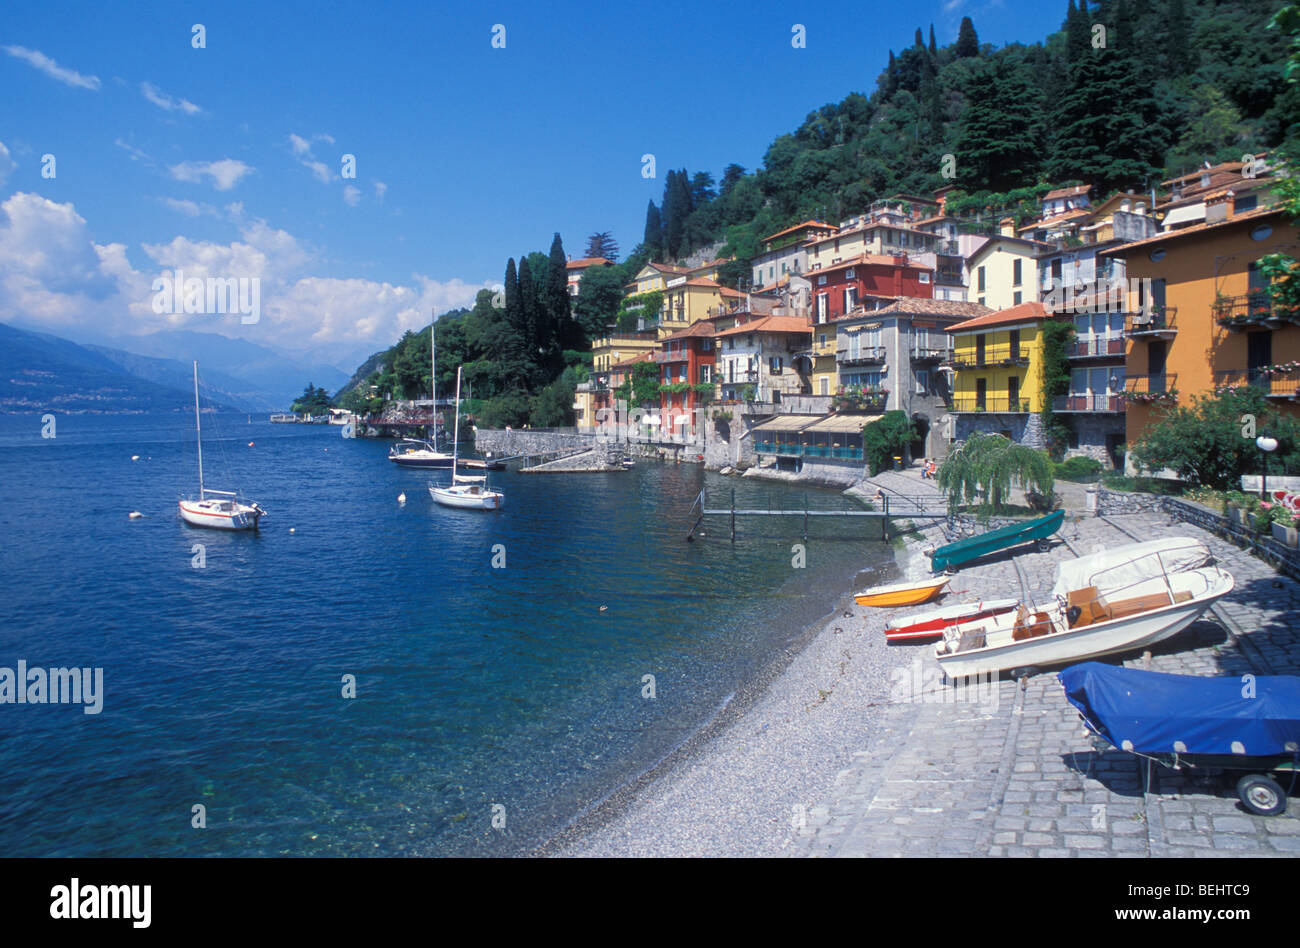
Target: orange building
[[1200, 317]]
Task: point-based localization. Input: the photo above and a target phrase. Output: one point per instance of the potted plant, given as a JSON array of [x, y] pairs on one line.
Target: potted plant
[[1283, 525]]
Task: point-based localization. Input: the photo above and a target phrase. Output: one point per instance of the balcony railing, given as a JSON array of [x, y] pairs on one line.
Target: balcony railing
[[807, 450], [1160, 323], [866, 355], [992, 356], [1276, 381], [1254, 309], [1096, 347], [927, 353], [737, 378], [989, 403], [1088, 403], [1151, 389], [675, 355]]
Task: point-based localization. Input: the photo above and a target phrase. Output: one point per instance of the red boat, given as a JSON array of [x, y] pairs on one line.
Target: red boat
[[930, 625]]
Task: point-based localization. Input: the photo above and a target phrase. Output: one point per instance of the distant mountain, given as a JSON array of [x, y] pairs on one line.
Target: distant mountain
[[171, 373], [250, 373], [40, 372]]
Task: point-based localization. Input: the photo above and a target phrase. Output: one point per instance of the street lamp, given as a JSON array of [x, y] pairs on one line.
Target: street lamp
[[1267, 446]]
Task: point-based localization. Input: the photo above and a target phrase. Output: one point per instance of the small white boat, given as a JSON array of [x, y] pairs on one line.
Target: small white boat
[[218, 509], [1087, 625], [466, 491], [930, 625], [411, 452]]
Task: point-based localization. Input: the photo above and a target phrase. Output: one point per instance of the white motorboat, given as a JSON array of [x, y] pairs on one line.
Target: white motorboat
[[218, 509], [411, 452], [466, 491], [1088, 624]]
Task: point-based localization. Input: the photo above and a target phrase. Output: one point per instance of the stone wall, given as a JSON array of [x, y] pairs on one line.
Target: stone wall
[[601, 458], [1126, 502], [1025, 427], [500, 443], [1092, 431]]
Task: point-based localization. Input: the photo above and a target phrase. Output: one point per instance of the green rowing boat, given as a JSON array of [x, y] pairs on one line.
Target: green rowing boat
[[946, 557]]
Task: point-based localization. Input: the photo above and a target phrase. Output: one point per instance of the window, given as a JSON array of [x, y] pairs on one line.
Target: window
[[1247, 202], [706, 374], [925, 277], [822, 304], [706, 345], [848, 274], [850, 297], [821, 339], [775, 365], [821, 281], [825, 385], [1262, 232], [1013, 393], [1015, 274], [1015, 297], [979, 273], [922, 381], [1157, 254]]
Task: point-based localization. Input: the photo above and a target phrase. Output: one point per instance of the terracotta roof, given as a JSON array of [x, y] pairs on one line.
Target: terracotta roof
[[1067, 192], [732, 294], [701, 281], [1195, 229], [1233, 167], [1037, 245], [710, 264], [585, 262], [1059, 218], [770, 324], [867, 259], [704, 327], [667, 268], [1016, 314], [805, 224], [917, 306], [643, 357]]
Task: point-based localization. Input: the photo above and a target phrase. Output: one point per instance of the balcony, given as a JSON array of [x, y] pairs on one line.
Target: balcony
[[993, 404], [1253, 311], [867, 355], [1093, 404], [1096, 347], [738, 378], [927, 353], [1151, 389], [991, 357], [1277, 381], [1159, 323], [674, 355]]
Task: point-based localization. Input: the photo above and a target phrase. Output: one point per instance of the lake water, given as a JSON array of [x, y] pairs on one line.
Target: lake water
[[480, 691]]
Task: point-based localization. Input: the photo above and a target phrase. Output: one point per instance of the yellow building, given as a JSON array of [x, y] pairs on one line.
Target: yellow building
[[997, 363], [654, 276], [825, 371], [619, 347], [688, 300], [1004, 270]]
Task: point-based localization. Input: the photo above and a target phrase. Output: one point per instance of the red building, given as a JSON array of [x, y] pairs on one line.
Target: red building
[[686, 358], [841, 288]]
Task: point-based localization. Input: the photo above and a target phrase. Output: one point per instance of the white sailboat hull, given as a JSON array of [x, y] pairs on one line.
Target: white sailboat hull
[[465, 499], [1064, 645], [219, 515]]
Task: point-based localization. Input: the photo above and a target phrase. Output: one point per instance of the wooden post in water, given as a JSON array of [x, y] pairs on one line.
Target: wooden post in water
[[733, 515], [805, 516], [884, 521]]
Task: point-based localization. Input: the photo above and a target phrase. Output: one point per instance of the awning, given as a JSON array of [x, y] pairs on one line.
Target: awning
[[1184, 215], [841, 424], [786, 423]]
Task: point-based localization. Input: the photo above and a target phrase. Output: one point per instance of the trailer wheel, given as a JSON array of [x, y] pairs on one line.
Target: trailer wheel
[[1044, 546], [1027, 671], [1261, 795]]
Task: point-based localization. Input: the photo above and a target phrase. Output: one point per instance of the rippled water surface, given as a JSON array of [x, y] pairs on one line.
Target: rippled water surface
[[477, 687]]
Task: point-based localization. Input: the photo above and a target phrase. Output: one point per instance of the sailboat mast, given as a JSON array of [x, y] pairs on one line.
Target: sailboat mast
[[455, 444], [198, 427], [433, 377]]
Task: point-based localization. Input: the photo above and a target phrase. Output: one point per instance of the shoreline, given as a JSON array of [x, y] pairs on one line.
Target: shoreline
[[736, 761]]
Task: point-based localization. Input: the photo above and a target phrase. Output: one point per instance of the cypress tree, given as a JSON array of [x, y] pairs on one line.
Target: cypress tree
[[968, 42], [1178, 44], [567, 334], [515, 338], [934, 49], [653, 240], [528, 318], [919, 41]]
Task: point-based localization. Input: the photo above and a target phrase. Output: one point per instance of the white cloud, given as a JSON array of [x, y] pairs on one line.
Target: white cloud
[[69, 77], [225, 173], [380, 190], [135, 153], [166, 102], [302, 151], [351, 195], [53, 275], [7, 164], [189, 208]]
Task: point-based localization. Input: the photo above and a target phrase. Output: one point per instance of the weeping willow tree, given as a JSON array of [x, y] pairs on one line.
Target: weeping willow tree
[[985, 469]]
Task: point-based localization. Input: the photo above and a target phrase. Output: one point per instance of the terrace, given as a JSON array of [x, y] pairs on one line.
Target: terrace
[[1276, 381], [1091, 403], [1002, 404], [1096, 347], [1158, 323], [1251, 311]]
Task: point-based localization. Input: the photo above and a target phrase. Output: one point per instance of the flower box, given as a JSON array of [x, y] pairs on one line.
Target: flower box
[[1287, 535], [1239, 516]]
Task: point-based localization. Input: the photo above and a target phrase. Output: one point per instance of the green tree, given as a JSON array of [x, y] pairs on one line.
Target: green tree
[[653, 241], [1000, 147], [968, 42], [313, 401], [600, 296], [602, 244], [1055, 382], [987, 466], [887, 438], [1208, 444]]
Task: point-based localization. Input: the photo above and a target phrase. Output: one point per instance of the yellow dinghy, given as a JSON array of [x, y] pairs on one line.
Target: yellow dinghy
[[902, 594]]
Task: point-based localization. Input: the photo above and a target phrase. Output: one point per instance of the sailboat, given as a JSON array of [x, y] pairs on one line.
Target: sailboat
[[412, 452], [219, 509], [466, 490]]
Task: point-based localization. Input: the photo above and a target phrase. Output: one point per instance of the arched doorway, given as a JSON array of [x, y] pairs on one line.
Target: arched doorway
[[922, 425]]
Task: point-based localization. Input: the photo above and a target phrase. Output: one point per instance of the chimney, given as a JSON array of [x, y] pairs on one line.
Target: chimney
[[1218, 206], [1007, 227]]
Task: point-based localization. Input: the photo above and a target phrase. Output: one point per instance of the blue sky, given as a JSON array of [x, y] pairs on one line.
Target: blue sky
[[226, 160]]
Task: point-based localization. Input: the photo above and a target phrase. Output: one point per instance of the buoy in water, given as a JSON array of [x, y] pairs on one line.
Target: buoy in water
[[250, 444], [604, 608], [135, 457], [401, 498], [291, 529], [135, 515]]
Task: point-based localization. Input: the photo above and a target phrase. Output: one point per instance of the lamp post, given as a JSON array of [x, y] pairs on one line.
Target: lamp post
[[1267, 446]]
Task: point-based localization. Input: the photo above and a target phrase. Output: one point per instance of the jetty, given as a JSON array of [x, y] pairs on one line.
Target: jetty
[[881, 508]]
